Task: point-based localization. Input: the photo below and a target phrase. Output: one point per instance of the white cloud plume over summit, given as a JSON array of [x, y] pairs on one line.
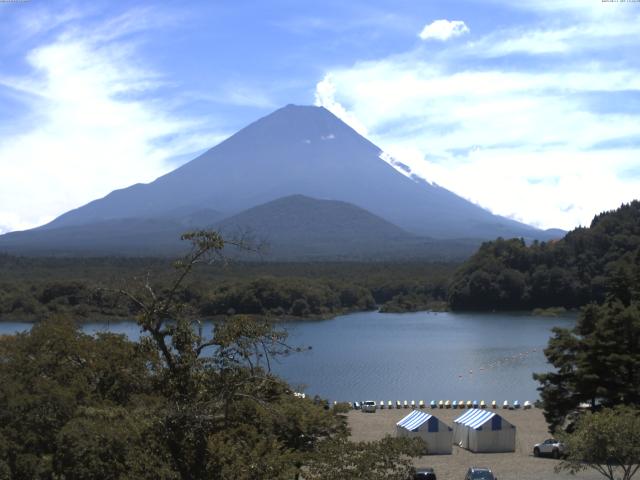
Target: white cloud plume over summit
[[325, 97], [443, 30]]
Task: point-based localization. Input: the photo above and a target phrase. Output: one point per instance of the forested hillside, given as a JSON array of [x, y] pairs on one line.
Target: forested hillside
[[87, 288], [571, 272]]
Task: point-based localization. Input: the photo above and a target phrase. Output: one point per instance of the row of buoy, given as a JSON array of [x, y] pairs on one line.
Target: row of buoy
[[443, 404], [506, 359]]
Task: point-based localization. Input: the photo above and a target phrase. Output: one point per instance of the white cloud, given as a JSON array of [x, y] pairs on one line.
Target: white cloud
[[556, 188], [94, 126], [597, 10], [238, 95], [325, 97], [443, 30], [573, 39], [515, 139]]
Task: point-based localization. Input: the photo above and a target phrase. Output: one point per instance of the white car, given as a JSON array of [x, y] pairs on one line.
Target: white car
[[550, 447], [369, 406]]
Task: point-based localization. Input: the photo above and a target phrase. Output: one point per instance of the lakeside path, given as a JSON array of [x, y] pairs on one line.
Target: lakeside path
[[519, 465]]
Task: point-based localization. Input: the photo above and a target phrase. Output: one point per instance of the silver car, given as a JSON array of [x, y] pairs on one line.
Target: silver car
[[369, 406], [550, 447]]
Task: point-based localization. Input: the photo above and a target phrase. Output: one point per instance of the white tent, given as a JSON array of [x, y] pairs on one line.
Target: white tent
[[484, 431], [435, 433]]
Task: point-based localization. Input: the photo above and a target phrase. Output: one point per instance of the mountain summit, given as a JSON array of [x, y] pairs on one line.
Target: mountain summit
[[299, 150]]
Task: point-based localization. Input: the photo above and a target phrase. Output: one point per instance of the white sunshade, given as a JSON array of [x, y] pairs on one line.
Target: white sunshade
[[413, 421], [475, 418]]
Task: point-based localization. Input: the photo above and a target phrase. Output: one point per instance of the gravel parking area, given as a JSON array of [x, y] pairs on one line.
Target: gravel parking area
[[519, 465]]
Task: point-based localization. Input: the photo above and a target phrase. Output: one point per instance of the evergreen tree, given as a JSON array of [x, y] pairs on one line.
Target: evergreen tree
[[571, 272], [597, 362]]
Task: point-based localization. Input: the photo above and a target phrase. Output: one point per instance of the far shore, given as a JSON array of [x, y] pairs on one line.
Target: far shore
[[101, 318]]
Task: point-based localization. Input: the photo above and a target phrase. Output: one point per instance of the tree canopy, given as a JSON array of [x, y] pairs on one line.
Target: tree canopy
[[175, 405], [571, 272], [83, 288], [597, 362], [607, 442]]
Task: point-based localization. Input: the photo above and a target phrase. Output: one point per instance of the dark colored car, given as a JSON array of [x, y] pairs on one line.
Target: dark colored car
[[476, 473], [424, 474]]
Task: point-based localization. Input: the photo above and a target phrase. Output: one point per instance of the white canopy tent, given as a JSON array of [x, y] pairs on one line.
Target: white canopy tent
[[484, 431], [437, 435]]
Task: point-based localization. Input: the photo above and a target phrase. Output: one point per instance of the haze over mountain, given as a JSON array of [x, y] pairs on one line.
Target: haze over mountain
[[296, 150]]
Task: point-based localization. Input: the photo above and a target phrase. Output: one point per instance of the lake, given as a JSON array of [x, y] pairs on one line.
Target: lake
[[408, 356]]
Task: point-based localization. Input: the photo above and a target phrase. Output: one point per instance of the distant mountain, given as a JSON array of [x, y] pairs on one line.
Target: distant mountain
[[309, 151], [555, 233], [290, 228], [293, 151], [127, 236]]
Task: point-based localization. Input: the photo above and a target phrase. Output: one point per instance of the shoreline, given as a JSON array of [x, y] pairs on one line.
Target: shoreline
[[311, 318]]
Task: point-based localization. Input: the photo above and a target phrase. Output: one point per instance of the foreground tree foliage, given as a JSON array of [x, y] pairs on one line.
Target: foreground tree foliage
[[607, 442], [177, 405], [388, 459], [49, 374]]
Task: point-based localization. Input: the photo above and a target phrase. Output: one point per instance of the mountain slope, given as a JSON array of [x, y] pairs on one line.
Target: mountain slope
[[127, 236], [308, 151], [292, 228]]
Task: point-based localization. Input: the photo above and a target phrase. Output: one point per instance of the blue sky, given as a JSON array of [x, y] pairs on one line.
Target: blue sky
[[530, 108]]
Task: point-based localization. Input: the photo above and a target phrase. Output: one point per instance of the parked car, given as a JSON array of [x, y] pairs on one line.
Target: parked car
[[479, 473], [369, 406], [424, 474], [550, 447]]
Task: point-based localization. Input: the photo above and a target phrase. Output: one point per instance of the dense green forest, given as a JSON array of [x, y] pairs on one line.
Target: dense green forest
[[88, 288], [569, 273]]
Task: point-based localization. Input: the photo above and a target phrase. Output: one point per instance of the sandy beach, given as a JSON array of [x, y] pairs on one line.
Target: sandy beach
[[518, 465]]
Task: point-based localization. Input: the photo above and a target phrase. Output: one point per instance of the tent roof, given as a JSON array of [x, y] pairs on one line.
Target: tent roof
[[475, 418], [414, 420]]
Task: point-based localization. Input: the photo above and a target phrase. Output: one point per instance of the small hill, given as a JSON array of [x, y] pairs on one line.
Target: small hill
[[584, 266], [303, 228]]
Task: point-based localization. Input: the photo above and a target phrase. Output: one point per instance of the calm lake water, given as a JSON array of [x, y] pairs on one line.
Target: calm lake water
[[424, 355]]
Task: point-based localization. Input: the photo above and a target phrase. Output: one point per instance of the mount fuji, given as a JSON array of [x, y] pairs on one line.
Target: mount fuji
[[303, 154]]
